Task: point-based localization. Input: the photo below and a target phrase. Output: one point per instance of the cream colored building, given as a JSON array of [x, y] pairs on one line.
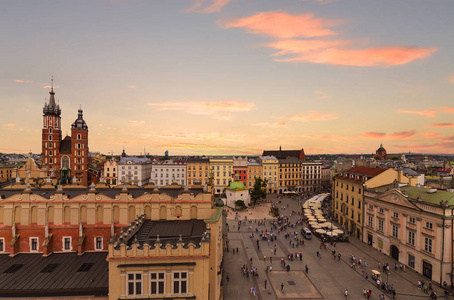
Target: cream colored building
[[312, 176], [198, 171], [290, 175], [254, 170], [270, 172], [413, 225], [111, 172], [222, 169]]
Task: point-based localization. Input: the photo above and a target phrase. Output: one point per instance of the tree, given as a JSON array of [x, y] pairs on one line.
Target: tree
[[259, 190], [274, 211], [240, 203]]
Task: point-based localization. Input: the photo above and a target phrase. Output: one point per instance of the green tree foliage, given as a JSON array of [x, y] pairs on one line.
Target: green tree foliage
[[274, 212], [259, 190], [240, 203]]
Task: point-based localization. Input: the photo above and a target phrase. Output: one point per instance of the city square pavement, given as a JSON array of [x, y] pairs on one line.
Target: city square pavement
[[326, 277]]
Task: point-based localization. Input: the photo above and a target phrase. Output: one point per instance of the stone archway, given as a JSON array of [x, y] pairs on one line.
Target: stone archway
[[394, 252]]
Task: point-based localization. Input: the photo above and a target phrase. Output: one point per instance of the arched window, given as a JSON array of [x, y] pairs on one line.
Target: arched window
[[99, 214], [79, 136], [83, 214], [65, 162], [194, 212], [17, 212], [50, 130], [50, 145], [50, 152], [116, 214], [66, 214], [148, 212], [162, 213], [50, 214], [132, 213], [50, 160], [34, 215], [50, 138]]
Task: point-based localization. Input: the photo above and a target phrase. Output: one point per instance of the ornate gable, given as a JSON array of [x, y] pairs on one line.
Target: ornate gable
[[396, 197]]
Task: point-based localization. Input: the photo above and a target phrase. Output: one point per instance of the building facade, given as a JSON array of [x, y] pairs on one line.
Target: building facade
[[111, 172], [64, 158], [254, 170], [413, 225], [198, 171], [312, 176], [240, 167], [134, 170], [222, 170], [167, 172], [290, 175], [270, 166]]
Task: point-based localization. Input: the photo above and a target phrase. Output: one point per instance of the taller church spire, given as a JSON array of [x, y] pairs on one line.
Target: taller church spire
[[52, 108]]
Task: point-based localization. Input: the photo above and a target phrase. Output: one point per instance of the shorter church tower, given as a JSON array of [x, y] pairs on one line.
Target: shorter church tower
[[79, 148]]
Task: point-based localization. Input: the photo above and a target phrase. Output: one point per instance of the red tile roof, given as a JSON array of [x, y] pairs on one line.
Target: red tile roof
[[366, 171]]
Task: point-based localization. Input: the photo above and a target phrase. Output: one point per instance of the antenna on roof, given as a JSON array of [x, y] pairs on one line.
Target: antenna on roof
[[52, 83]]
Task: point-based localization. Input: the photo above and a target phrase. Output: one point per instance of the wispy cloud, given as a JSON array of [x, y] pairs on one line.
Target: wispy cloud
[[217, 109], [298, 41], [442, 125], [384, 56], [131, 86], [448, 109], [207, 6], [321, 94], [49, 86], [9, 125], [22, 81], [430, 134], [425, 113], [393, 136], [283, 25], [451, 78], [313, 116], [272, 125]]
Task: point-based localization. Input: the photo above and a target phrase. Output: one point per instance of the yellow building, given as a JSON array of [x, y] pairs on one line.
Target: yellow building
[[111, 172], [6, 172], [270, 166], [348, 190], [197, 171], [254, 171], [290, 176], [222, 169], [178, 259]]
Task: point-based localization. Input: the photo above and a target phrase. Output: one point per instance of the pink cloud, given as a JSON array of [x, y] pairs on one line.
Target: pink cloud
[[283, 25], [22, 81], [393, 136], [291, 46], [9, 125], [451, 78], [272, 125], [215, 109], [131, 86], [381, 56], [215, 6], [424, 113], [430, 134], [313, 116], [448, 109], [442, 125], [49, 86]]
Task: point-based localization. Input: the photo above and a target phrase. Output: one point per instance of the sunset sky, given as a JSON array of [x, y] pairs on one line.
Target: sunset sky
[[230, 77]]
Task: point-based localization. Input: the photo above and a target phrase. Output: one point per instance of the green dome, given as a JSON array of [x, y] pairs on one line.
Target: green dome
[[236, 185]]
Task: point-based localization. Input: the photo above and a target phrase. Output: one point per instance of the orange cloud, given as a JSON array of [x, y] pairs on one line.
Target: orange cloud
[[215, 109], [442, 125], [272, 125], [381, 56], [49, 86], [451, 78], [448, 109], [22, 81], [131, 86], [9, 125], [313, 116], [393, 136], [424, 113], [430, 134], [216, 6], [291, 46], [283, 25], [321, 94]]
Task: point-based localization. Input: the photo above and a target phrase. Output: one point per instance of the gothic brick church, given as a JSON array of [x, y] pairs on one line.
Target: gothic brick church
[[65, 159]]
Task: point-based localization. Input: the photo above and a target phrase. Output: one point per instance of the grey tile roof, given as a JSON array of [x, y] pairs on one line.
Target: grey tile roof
[[27, 275]]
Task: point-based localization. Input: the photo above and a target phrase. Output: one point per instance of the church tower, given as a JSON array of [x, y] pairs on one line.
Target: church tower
[[51, 134], [79, 148]]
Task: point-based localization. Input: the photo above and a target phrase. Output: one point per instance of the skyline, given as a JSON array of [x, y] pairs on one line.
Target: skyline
[[230, 77]]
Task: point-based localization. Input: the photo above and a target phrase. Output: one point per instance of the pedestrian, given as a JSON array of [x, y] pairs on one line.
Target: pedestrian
[[264, 258], [265, 282], [233, 251], [307, 269], [346, 293], [368, 294], [253, 291], [237, 251], [339, 257], [282, 287]]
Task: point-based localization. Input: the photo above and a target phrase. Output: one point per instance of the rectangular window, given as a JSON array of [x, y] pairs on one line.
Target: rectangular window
[[380, 225], [2, 245], [412, 220], [359, 217], [371, 221], [411, 261], [66, 243], [353, 201], [395, 214], [395, 231], [134, 284], [371, 207], [381, 210], [411, 238], [428, 244], [98, 243], [180, 283], [33, 244], [157, 283], [429, 225]]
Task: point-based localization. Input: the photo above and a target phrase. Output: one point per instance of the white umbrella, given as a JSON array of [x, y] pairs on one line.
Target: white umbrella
[[338, 231], [320, 231], [316, 226], [331, 233]]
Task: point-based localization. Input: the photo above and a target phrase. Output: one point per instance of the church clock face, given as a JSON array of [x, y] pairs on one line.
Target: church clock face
[[394, 198]]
